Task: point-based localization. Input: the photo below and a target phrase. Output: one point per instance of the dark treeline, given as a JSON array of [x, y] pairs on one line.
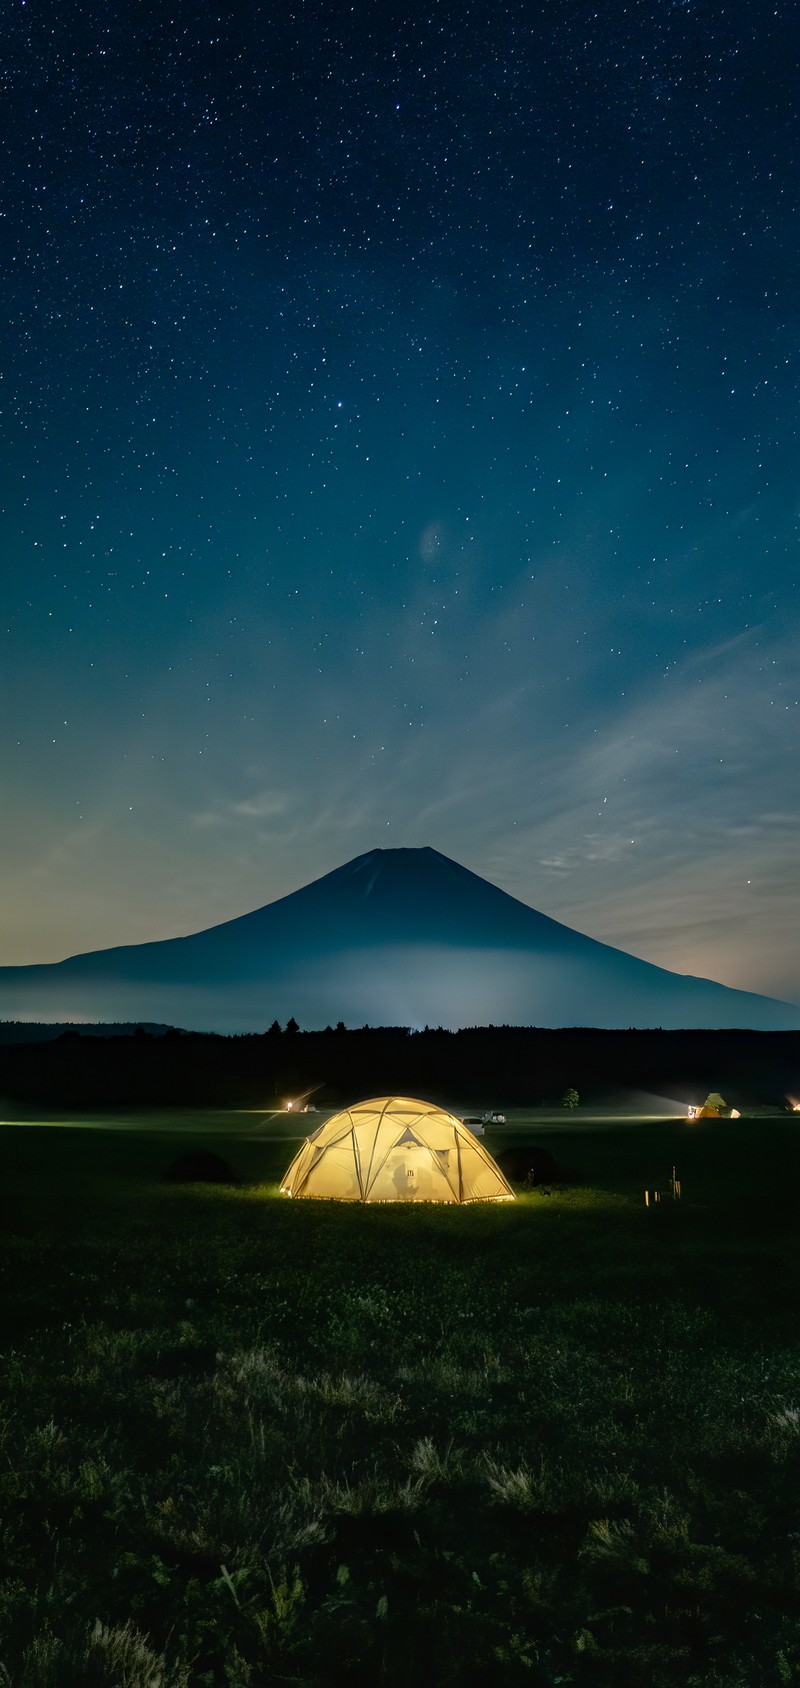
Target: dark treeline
[[40, 1031], [484, 1066]]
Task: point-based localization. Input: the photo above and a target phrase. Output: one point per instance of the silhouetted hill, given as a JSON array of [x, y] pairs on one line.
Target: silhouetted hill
[[398, 937], [38, 1031]]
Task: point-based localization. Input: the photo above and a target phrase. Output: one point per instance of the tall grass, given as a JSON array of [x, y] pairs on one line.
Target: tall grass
[[248, 1442]]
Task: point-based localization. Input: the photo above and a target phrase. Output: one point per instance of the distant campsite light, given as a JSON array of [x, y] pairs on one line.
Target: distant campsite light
[[691, 1113], [303, 1104]]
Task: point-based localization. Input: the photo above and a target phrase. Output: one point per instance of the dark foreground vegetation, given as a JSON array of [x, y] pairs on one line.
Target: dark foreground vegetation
[[247, 1441], [177, 1068]]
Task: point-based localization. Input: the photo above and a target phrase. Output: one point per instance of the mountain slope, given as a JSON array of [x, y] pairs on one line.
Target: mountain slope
[[394, 937]]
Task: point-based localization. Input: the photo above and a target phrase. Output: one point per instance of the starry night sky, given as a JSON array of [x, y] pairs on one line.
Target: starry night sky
[[400, 447]]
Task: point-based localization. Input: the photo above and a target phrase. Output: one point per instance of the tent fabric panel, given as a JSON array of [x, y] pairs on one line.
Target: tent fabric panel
[[295, 1176], [474, 1143], [378, 1136], [438, 1131], [410, 1173], [335, 1175], [480, 1182], [447, 1161], [387, 1136], [391, 1105], [481, 1177], [304, 1160], [340, 1125]]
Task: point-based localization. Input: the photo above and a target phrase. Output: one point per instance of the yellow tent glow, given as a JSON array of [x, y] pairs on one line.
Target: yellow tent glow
[[395, 1149]]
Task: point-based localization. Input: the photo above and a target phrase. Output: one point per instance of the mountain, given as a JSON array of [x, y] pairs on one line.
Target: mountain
[[395, 937]]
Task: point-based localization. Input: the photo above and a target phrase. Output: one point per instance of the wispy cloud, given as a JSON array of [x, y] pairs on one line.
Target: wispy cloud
[[261, 806]]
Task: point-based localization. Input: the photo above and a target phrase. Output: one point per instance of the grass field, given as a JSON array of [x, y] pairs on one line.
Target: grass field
[[247, 1441]]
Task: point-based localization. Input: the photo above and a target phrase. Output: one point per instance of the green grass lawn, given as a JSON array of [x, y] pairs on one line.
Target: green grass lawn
[[248, 1441]]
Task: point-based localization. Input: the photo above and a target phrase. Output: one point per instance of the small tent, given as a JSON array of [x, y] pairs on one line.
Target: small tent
[[395, 1149], [714, 1107]]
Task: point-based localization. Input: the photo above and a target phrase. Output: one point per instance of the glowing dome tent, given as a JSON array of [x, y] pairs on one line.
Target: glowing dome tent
[[395, 1149]]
